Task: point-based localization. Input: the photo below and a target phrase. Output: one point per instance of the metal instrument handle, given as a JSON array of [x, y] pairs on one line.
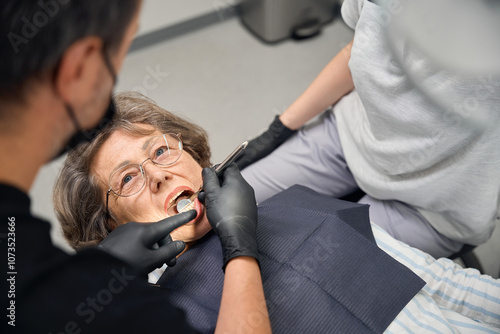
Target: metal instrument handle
[[230, 158]]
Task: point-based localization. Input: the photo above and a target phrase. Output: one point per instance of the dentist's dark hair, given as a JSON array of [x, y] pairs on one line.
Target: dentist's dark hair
[[79, 196], [35, 35]]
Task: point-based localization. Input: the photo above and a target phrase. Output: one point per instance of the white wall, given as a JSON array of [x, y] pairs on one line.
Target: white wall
[[157, 14]]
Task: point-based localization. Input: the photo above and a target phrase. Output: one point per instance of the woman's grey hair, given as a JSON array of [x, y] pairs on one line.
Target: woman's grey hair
[[79, 201]]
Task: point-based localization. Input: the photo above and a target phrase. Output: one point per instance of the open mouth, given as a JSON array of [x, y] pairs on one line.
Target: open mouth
[[176, 197]]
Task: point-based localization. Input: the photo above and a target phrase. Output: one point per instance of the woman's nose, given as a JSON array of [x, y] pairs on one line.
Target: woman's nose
[[156, 176]]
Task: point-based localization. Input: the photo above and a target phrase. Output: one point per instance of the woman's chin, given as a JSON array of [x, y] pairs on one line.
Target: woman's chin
[[192, 231]]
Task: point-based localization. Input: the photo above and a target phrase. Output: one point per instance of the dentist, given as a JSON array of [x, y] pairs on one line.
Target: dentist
[[58, 70]]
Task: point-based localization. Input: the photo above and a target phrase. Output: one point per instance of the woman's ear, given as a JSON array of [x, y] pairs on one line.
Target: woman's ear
[[79, 70]]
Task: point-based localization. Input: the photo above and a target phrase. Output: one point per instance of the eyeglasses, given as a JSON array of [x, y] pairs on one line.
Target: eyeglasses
[[128, 180]]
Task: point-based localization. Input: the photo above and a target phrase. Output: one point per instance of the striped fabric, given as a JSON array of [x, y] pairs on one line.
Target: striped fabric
[[454, 300]]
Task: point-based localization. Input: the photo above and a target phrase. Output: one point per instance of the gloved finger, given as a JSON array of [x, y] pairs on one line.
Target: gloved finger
[[210, 181], [168, 253], [232, 174], [201, 196], [172, 262], [164, 241], [219, 174], [158, 230]]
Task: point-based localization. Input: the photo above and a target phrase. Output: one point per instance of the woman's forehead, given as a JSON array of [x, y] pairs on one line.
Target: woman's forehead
[[133, 140]]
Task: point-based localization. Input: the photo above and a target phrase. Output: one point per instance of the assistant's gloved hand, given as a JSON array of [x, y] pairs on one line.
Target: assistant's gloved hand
[[232, 212], [264, 144], [133, 242]]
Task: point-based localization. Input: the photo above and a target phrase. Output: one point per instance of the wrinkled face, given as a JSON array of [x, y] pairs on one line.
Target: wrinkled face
[[164, 185]]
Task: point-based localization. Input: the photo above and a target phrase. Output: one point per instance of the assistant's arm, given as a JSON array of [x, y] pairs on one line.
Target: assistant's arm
[[333, 82], [330, 85]]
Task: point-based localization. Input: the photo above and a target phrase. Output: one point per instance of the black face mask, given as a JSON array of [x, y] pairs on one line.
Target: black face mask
[[84, 136]]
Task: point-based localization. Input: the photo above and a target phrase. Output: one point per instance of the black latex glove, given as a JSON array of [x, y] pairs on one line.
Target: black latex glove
[[232, 212], [163, 242], [264, 144], [133, 242]]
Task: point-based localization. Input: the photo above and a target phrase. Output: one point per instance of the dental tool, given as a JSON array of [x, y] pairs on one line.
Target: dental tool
[[184, 203]]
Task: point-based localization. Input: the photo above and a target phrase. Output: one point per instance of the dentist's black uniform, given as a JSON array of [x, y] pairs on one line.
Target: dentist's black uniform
[[90, 292]]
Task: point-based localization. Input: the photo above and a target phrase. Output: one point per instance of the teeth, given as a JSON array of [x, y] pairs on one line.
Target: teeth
[[172, 200]]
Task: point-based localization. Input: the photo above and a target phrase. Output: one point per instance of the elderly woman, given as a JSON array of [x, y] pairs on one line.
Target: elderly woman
[[320, 270]]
